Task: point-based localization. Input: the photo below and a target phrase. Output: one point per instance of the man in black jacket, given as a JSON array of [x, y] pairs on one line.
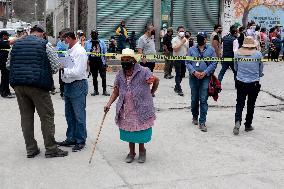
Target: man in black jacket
[[31, 78], [4, 51]]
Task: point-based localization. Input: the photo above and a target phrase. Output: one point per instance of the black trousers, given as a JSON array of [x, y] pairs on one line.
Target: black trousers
[[61, 85], [150, 65], [98, 68], [249, 91], [275, 54], [4, 86], [180, 69]]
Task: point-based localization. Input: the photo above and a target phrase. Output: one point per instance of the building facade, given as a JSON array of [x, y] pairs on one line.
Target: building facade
[[202, 15]]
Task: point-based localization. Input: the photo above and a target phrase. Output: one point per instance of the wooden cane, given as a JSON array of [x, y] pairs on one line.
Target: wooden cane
[[97, 138]]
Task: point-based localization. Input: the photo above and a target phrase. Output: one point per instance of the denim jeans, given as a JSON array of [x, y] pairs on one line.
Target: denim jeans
[[225, 66], [180, 69], [75, 110], [199, 95], [250, 91]]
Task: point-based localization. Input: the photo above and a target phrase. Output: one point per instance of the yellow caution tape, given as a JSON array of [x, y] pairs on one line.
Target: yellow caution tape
[[164, 57]]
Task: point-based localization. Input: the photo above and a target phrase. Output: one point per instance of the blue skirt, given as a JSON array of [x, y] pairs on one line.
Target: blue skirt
[[136, 136]]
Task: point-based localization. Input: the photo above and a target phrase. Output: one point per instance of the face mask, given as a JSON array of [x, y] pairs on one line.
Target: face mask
[[220, 32], [95, 37], [126, 65], [200, 41], [153, 32], [238, 35], [66, 44], [181, 34]]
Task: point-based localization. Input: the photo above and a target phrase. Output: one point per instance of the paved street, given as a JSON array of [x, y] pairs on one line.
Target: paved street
[[179, 155]]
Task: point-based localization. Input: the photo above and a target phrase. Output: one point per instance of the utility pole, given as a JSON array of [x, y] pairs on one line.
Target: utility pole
[[35, 10], [45, 14], [6, 14]]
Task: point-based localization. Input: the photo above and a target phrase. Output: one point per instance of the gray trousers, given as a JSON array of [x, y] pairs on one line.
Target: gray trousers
[[29, 99]]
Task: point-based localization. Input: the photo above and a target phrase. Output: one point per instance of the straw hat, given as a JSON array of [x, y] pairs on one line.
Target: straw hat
[[249, 42], [128, 53]]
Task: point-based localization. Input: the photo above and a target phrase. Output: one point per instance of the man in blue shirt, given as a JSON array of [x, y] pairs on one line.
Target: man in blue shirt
[[200, 72], [97, 63]]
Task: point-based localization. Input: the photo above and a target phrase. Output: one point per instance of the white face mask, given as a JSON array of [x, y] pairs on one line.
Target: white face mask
[[181, 34]]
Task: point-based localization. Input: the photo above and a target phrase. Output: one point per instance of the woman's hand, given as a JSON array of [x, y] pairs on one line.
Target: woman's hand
[[107, 108]]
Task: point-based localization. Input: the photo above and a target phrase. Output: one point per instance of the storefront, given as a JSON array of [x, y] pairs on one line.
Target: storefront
[[194, 15], [109, 13]]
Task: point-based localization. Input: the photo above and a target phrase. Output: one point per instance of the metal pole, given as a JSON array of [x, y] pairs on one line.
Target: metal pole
[[35, 10], [45, 14]]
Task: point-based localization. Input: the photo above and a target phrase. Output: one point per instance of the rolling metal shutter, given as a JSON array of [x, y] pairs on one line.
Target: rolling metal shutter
[[136, 13], [195, 16]]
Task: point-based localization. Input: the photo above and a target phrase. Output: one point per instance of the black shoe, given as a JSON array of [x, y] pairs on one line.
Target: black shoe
[[105, 93], [9, 96], [78, 147], [170, 77], [66, 143], [53, 92], [176, 89], [95, 93], [248, 129], [180, 93], [34, 154], [57, 153]]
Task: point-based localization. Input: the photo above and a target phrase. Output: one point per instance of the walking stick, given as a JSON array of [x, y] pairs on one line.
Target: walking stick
[[97, 138]]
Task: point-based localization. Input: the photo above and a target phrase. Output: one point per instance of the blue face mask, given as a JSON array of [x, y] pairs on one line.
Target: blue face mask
[[66, 44]]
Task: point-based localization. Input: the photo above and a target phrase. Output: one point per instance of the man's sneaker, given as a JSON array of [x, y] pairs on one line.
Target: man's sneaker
[[236, 130], [203, 127], [95, 93], [105, 93], [78, 147], [66, 143], [195, 121], [57, 153], [9, 96], [170, 77], [34, 154], [176, 89], [180, 93], [53, 92], [248, 129]]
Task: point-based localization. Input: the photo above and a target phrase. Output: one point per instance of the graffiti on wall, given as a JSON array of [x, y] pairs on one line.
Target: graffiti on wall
[[244, 7], [266, 13]]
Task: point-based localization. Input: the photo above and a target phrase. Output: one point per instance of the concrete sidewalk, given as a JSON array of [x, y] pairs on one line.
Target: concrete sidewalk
[[179, 155]]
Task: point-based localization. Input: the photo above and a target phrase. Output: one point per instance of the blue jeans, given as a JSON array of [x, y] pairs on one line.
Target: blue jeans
[[75, 110], [225, 66], [199, 95]]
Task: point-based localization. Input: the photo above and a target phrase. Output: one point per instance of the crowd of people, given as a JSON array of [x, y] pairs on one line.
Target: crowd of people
[[135, 84]]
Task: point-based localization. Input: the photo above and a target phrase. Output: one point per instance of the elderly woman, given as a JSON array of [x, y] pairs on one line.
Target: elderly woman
[[247, 83], [135, 112]]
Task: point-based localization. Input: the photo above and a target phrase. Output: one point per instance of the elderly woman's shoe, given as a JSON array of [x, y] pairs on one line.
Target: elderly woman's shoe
[[142, 157], [130, 158]]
